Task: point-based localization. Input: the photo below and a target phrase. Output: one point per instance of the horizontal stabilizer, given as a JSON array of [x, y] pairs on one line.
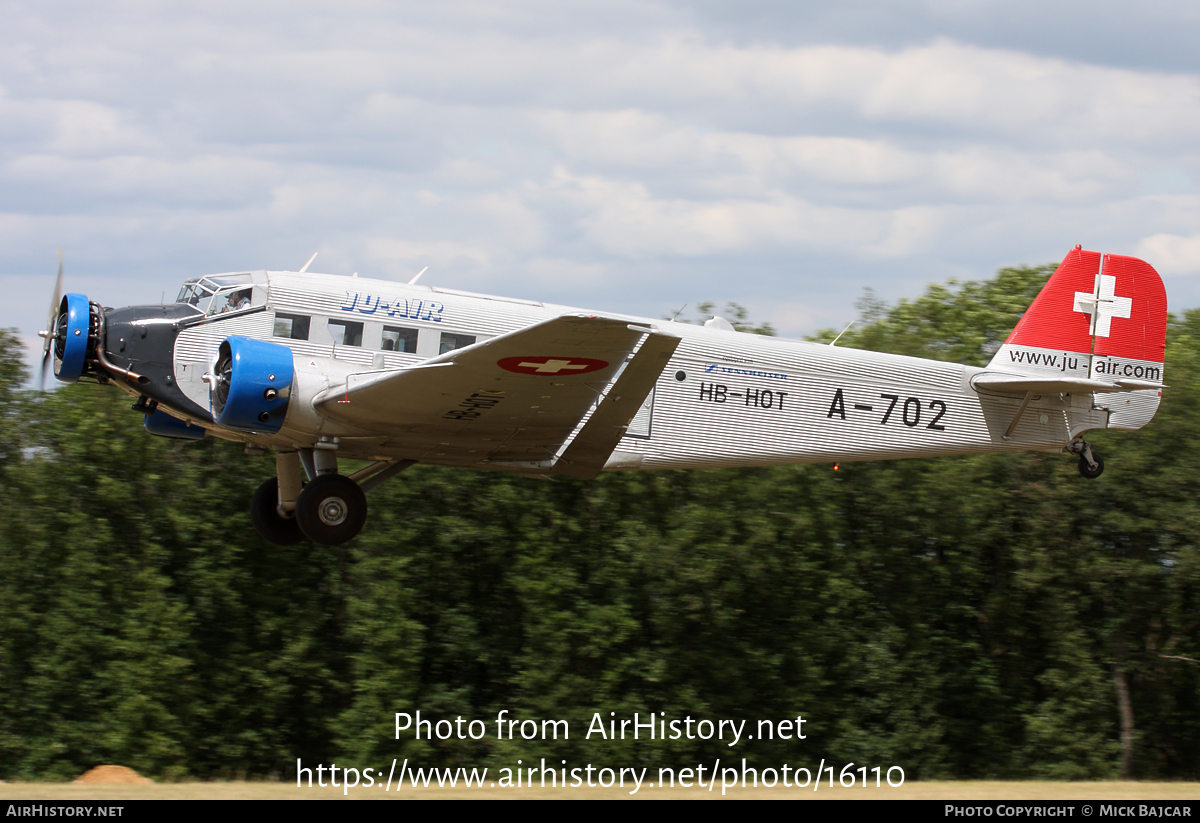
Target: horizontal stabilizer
[[1015, 383]]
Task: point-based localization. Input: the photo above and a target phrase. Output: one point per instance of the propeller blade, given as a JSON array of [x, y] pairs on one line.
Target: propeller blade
[[42, 372], [51, 324]]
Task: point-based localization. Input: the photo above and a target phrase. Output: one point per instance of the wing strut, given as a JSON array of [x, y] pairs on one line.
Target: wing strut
[[376, 473]]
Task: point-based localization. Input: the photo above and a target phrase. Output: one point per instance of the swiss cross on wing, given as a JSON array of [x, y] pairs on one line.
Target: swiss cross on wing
[[551, 366]]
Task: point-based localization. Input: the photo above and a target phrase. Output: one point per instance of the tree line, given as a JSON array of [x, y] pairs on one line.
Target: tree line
[[994, 616]]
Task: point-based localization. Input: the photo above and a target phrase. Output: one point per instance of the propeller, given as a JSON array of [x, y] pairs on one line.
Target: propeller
[[69, 337], [51, 325]]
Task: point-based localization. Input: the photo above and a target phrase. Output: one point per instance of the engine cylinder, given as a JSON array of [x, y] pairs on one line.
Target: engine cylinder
[[252, 384]]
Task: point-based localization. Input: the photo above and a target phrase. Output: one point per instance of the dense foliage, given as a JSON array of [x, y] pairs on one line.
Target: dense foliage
[[994, 616]]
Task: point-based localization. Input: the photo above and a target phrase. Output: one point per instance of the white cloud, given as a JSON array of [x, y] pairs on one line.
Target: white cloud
[[617, 149], [1171, 254]]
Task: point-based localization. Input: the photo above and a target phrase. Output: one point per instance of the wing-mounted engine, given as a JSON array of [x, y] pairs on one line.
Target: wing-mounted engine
[[251, 384]]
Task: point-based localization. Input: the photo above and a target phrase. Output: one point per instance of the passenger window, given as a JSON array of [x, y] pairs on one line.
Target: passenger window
[[450, 342], [293, 326], [346, 332], [399, 340]]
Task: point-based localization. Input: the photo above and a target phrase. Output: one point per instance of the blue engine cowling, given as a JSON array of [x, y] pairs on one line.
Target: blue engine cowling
[[73, 335], [252, 385]]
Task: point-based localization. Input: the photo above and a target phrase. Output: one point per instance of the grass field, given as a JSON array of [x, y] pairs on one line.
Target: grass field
[[963, 791]]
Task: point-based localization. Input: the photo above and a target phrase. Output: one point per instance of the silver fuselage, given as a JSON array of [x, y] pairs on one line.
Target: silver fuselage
[[725, 398]]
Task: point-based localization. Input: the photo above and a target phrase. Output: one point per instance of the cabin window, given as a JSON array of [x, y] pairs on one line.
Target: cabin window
[[450, 342], [346, 332], [399, 340], [292, 326]]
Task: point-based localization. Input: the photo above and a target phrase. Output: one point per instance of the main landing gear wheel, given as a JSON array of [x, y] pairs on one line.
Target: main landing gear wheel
[[1089, 471], [331, 510], [264, 514]]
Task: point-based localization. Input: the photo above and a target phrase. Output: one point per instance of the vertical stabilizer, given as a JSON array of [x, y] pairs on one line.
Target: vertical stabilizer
[[1100, 316]]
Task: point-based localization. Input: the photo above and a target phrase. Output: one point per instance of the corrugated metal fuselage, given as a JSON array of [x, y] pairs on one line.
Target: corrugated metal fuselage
[[724, 399]]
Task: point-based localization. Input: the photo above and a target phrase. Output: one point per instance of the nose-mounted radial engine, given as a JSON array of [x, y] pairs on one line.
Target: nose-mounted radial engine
[[251, 384], [74, 344]]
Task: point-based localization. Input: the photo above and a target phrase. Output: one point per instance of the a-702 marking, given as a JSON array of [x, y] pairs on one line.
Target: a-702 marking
[[909, 412]]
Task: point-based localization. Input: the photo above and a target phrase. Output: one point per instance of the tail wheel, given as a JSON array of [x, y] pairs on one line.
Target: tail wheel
[[331, 510], [264, 514], [1088, 471]]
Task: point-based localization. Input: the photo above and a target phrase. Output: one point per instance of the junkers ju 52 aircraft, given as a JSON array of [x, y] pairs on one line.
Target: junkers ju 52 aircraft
[[322, 368]]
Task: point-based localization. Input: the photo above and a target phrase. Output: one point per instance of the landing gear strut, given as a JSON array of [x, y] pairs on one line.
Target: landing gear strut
[[330, 510], [1090, 464]]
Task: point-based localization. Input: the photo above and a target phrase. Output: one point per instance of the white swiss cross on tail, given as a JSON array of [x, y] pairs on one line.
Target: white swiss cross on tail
[[1103, 305]]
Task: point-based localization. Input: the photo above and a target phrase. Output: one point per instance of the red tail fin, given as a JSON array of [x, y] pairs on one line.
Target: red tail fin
[[1099, 316]]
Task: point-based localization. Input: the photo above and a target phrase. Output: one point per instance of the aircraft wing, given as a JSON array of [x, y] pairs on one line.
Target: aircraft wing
[[557, 393]]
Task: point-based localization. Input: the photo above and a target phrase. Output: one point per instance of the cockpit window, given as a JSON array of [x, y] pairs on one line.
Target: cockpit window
[[233, 291], [227, 280], [231, 300]]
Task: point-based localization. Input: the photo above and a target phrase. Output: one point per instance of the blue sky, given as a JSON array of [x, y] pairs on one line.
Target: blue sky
[[613, 155]]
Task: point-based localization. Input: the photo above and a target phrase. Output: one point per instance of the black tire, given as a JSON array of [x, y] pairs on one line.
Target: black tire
[[1087, 471], [331, 510], [267, 522]]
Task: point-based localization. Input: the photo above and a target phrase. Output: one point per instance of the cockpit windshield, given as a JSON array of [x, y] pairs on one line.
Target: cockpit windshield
[[194, 294], [219, 294]]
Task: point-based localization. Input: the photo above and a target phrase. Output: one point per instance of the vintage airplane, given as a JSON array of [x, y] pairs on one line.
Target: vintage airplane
[[319, 368]]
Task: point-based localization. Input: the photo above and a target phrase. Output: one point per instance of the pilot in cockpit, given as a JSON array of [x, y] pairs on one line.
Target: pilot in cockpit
[[238, 300]]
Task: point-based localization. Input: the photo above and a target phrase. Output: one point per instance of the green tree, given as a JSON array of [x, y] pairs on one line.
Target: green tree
[[987, 616], [13, 375]]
